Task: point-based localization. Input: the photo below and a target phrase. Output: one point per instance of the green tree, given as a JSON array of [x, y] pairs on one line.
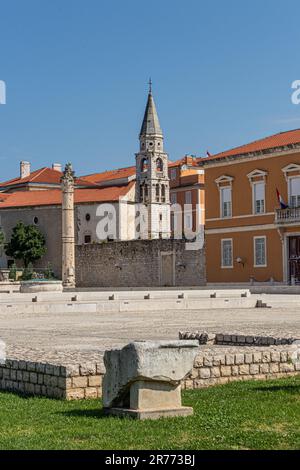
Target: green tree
[[49, 272], [27, 243], [13, 272], [27, 273]]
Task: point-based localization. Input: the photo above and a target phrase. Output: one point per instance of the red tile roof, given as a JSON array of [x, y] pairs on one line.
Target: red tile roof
[[126, 172], [111, 175], [43, 176], [187, 160], [54, 196], [277, 140]]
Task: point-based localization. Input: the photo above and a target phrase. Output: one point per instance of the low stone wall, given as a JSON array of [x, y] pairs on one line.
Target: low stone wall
[[218, 365], [9, 287], [51, 380], [227, 339], [211, 368], [139, 263]]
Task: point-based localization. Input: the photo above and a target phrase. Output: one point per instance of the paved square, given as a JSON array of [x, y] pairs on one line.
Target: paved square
[[77, 336]]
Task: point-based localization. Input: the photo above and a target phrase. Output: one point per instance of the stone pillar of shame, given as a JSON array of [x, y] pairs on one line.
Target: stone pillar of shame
[[68, 227], [143, 379]]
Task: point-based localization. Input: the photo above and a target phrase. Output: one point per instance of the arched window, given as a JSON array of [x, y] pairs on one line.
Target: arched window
[[159, 165], [146, 192], [163, 193], [142, 192], [157, 192], [144, 165]]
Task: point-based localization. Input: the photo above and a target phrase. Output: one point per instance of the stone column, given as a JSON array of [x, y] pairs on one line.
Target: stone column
[[68, 227]]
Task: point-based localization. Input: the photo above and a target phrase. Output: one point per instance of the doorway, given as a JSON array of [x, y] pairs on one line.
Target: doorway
[[294, 260], [167, 269]]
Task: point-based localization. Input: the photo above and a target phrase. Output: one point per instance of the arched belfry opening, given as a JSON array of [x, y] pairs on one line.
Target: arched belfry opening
[[159, 165], [144, 165]]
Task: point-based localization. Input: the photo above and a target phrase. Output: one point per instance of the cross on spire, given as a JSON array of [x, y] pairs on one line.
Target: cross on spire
[[150, 124]]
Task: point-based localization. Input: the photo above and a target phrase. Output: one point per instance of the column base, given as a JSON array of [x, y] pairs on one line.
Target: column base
[[149, 414]]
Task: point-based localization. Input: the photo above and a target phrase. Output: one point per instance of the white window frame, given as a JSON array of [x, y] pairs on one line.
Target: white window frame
[[222, 204], [189, 216], [259, 237], [222, 252], [224, 181], [188, 193], [254, 184], [289, 179], [173, 197], [292, 167]]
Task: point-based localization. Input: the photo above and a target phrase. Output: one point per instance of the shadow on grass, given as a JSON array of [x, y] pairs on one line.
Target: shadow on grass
[[96, 413], [289, 388], [17, 393]]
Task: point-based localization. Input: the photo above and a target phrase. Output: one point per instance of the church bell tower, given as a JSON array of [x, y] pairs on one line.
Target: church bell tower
[[152, 180]]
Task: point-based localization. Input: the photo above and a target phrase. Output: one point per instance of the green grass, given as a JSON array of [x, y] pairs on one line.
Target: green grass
[[241, 415]]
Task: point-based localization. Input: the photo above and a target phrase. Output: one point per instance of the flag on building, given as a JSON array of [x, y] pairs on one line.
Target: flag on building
[[283, 205], [208, 154]]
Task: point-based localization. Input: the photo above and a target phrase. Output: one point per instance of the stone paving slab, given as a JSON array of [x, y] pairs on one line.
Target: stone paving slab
[[78, 337]]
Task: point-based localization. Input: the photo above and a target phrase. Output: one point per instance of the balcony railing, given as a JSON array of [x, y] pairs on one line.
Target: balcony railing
[[287, 216]]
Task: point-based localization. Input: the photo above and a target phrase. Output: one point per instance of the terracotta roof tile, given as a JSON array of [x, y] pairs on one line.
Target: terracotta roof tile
[[54, 196], [111, 175], [277, 140], [124, 172], [44, 176]]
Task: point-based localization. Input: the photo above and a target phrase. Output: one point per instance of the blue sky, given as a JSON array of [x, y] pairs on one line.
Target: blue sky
[[77, 72]]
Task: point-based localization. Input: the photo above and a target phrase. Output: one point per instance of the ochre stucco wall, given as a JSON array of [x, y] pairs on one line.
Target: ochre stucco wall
[[242, 216]]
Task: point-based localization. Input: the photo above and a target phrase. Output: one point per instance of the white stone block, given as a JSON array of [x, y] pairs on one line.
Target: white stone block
[[146, 375]]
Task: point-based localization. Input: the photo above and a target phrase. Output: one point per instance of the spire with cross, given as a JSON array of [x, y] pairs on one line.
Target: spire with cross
[[152, 180]]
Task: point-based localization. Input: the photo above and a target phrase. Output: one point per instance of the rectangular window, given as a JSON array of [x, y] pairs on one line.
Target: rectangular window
[[188, 221], [188, 197], [225, 194], [173, 198], [172, 222], [87, 239], [258, 197], [227, 257], [260, 258], [294, 192], [173, 173]]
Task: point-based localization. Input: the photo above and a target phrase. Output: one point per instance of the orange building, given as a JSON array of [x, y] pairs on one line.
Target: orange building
[[187, 191], [249, 235]]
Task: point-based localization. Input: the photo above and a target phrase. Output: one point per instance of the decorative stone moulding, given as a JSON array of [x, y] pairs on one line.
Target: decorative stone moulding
[[143, 380]]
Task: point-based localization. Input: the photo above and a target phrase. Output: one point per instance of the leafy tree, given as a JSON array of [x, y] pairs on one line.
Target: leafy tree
[[27, 243], [13, 272], [27, 273], [49, 272]]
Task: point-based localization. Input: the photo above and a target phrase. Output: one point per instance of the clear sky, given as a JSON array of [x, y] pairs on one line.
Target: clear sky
[[76, 74]]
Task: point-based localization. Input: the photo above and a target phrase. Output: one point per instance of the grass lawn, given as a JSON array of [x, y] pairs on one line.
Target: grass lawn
[[241, 415]]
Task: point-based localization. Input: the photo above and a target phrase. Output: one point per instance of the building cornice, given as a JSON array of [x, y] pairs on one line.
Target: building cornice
[[243, 158]]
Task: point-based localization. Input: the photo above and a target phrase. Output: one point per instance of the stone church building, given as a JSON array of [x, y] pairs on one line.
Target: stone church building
[[111, 200]]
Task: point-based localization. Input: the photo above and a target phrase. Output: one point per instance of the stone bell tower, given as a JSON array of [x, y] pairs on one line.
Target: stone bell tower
[[68, 228], [152, 180]]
